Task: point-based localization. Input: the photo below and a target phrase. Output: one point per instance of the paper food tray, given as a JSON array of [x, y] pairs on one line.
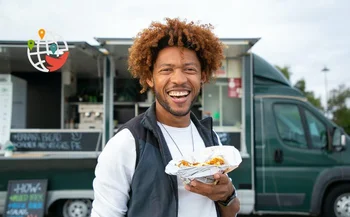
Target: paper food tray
[[205, 173]]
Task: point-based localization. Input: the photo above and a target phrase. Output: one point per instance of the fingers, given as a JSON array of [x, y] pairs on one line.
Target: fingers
[[200, 188], [197, 185], [221, 178], [191, 188], [215, 191]]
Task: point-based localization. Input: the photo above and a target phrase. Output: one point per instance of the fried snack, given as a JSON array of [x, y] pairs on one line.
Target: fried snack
[[184, 163], [215, 161]]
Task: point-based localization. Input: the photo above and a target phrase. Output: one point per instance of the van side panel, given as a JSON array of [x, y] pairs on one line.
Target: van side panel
[[287, 171]]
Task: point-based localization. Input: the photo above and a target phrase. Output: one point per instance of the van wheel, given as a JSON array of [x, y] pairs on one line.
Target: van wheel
[[337, 202], [77, 208]]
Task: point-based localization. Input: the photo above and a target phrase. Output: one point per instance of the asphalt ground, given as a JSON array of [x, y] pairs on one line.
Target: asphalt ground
[[271, 215], [249, 216]]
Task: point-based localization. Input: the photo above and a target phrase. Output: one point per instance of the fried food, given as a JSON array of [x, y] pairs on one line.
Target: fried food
[[215, 161], [184, 163]]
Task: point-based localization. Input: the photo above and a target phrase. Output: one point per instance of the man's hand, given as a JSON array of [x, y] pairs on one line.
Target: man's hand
[[221, 191]]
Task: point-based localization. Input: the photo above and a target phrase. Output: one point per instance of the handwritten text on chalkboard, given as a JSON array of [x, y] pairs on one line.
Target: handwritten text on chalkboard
[[46, 141], [26, 198], [56, 141]]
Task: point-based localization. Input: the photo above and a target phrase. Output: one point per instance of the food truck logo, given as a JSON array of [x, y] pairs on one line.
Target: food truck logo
[[48, 53]]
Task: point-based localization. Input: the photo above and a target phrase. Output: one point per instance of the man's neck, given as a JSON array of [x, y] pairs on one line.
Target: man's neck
[[169, 119]]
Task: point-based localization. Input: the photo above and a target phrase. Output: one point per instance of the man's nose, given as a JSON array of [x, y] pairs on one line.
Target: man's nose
[[179, 77]]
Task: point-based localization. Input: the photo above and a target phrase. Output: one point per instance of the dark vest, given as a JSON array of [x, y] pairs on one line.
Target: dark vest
[[153, 192]]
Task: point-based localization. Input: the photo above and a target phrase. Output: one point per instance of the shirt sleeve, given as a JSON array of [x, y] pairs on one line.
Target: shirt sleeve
[[113, 174]]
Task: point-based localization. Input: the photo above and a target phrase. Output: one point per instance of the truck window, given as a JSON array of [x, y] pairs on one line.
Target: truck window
[[289, 125], [317, 130]]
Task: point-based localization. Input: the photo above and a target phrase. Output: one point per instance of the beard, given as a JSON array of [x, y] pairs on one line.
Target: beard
[[165, 104]]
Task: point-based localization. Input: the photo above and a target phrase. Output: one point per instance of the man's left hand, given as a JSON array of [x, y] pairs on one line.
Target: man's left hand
[[219, 191]]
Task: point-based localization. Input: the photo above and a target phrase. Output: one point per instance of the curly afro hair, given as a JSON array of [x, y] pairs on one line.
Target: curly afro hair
[[197, 37]]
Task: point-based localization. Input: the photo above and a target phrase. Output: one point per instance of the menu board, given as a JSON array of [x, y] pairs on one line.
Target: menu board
[[5, 111], [57, 141], [26, 198]]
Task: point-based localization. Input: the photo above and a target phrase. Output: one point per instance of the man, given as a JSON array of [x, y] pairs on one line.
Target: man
[[174, 60]]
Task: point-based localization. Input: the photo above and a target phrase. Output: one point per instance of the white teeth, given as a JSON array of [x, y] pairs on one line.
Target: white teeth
[[178, 93]]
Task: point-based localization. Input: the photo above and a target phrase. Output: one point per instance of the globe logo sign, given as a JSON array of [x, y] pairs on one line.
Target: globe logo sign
[[48, 53]]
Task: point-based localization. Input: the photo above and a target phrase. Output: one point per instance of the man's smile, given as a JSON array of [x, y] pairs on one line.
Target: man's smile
[[179, 96]]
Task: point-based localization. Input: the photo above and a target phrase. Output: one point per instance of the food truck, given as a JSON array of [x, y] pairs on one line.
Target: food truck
[[295, 160]]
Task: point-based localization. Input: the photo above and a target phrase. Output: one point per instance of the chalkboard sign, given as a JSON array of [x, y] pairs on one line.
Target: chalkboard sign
[[57, 141], [26, 198], [230, 138]]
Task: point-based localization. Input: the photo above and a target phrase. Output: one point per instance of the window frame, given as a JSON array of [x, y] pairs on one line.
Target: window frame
[[302, 113], [308, 130], [303, 123]]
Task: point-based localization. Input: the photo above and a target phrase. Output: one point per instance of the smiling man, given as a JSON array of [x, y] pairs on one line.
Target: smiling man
[[174, 60], [176, 83]]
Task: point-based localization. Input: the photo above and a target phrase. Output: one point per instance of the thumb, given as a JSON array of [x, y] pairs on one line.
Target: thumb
[[222, 178], [217, 176]]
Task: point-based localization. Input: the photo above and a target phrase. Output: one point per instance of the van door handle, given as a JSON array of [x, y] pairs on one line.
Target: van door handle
[[278, 156]]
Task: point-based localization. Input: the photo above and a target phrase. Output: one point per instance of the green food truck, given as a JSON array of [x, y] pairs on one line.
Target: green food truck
[[295, 160]]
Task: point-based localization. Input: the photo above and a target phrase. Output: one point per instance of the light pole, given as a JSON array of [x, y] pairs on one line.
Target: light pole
[[325, 70]]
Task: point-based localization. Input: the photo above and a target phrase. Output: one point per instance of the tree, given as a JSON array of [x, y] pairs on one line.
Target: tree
[[310, 95], [285, 71], [337, 106], [300, 84]]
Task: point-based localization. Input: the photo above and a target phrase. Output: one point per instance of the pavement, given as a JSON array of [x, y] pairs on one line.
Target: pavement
[[270, 215], [251, 216]]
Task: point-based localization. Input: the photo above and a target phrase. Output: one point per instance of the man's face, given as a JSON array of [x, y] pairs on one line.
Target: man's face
[[176, 80]]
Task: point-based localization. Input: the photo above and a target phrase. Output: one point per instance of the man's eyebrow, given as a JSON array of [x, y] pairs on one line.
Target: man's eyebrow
[[166, 65], [191, 64], [173, 65]]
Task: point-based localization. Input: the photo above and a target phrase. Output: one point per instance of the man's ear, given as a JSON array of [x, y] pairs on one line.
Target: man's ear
[[150, 82], [203, 78]]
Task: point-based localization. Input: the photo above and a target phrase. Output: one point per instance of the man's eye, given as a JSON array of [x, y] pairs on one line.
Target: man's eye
[[190, 69], [166, 70]]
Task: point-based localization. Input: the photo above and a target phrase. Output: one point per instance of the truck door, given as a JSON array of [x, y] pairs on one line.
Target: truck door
[[290, 152]]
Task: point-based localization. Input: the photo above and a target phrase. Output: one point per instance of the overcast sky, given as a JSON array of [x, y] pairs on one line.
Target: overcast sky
[[303, 34]]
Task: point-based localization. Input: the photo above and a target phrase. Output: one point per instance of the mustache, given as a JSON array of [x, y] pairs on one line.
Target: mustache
[[185, 86]]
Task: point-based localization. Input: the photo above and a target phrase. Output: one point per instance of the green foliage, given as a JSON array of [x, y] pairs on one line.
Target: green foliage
[[300, 84], [337, 106], [310, 95], [285, 71], [336, 102]]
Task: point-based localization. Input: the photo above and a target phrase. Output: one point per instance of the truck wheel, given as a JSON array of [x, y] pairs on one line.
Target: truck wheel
[[337, 202], [77, 208]]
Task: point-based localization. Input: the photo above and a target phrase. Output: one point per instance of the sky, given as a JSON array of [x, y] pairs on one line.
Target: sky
[[305, 35]]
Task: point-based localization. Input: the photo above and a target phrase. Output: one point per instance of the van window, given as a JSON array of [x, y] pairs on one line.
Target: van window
[[317, 130], [289, 125]]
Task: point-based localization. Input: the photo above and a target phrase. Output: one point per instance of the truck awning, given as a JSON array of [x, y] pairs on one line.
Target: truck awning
[[117, 48], [238, 46], [82, 58]]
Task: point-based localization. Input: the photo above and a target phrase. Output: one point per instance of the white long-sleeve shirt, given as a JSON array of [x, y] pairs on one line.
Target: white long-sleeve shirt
[[115, 169]]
